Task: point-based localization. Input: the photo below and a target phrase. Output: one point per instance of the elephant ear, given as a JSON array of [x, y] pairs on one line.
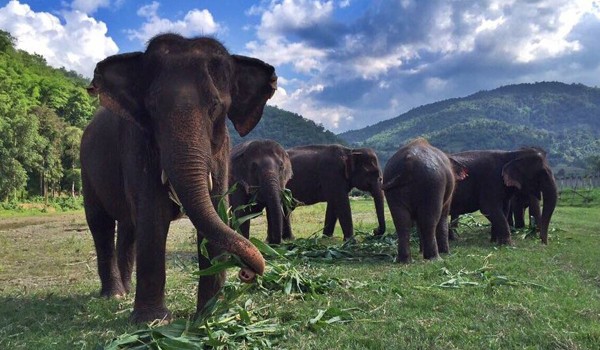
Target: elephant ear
[[117, 83], [349, 164], [254, 83], [460, 170], [519, 172]]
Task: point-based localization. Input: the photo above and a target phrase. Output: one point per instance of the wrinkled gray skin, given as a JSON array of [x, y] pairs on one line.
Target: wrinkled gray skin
[[327, 173], [261, 169], [518, 204], [493, 178], [163, 126], [418, 182]]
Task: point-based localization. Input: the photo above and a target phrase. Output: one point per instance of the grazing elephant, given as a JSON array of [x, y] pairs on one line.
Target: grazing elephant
[[518, 203], [261, 168], [163, 135], [494, 176], [327, 173], [418, 182]]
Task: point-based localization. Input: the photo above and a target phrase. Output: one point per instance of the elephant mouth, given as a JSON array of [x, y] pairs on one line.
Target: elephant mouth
[[93, 90]]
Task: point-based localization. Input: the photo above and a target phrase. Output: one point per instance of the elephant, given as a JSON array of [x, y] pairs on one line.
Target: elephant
[[494, 176], [327, 173], [516, 213], [418, 182], [160, 137], [261, 168]]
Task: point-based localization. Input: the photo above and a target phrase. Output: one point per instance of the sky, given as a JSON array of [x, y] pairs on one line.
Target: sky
[[345, 64]]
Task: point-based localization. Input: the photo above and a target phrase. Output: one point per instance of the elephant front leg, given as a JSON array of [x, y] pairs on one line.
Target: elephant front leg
[[452, 234], [330, 220], [500, 229], [441, 233], [150, 248], [344, 214], [287, 227]]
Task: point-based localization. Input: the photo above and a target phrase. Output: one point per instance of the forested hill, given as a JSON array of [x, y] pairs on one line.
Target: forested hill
[[42, 113], [44, 110], [562, 118], [287, 128]]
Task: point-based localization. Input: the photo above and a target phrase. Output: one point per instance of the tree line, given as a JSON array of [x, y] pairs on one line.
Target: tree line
[[43, 111]]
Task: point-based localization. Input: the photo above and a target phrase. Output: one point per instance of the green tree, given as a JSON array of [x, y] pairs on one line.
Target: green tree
[[71, 164]]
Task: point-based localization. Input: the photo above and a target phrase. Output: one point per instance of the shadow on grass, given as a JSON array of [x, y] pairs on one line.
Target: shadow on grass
[[61, 322]]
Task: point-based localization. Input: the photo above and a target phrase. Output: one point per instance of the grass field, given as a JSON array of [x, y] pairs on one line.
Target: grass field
[[480, 296]]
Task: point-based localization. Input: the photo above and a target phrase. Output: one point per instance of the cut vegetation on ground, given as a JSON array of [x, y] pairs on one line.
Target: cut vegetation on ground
[[321, 293]]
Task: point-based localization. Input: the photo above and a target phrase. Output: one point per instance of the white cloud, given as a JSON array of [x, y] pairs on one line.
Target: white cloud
[[195, 22], [77, 44], [397, 55], [89, 6]]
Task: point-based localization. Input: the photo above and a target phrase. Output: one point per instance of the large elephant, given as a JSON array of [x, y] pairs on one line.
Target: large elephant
[[418, 182], [163, 135], [493, 178], [327, 173], [261, 169], [518, 204]]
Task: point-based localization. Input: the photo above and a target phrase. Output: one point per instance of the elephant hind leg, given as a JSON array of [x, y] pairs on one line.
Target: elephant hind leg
[[102, 227], [403, 223], [427, 223], [125, 252]]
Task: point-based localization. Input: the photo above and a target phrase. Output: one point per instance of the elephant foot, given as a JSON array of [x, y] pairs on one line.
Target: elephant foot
[[289, 238], [505, 241], [433, 257], [403, 260], [117, 292], [274, 241], [348, 238], [378, 232], [161, 315]]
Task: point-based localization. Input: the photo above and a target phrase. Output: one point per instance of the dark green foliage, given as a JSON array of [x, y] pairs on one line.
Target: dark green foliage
[[39, 109], [288, 129], [561, 118]]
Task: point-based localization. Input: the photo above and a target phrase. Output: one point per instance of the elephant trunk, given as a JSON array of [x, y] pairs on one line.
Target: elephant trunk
[[270, 191], [378, 199], [549, 195], [186, 159]]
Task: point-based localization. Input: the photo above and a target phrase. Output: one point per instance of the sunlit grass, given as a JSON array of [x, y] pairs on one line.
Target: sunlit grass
[[479, 296]]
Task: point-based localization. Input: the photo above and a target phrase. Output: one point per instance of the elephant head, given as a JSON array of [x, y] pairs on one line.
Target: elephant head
[[531, 174], [363, 172], [264, 166], [180, 91]]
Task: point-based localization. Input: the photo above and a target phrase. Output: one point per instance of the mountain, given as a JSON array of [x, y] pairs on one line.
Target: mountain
[[563, 119], [287, 128]]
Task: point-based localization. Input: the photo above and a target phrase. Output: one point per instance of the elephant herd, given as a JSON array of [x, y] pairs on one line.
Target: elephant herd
[[159, 146]]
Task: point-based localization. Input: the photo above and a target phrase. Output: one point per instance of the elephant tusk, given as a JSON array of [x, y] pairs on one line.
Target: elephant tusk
[[210, 182], [172, 194], [163, 177]]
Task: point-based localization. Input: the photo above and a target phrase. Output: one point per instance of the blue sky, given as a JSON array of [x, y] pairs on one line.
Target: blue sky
[[344, 64]]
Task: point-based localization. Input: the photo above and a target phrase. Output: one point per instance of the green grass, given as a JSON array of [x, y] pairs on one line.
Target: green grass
[[526, 296]]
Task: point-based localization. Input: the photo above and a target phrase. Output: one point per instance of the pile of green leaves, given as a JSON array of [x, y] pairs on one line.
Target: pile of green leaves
[[223, 324]]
